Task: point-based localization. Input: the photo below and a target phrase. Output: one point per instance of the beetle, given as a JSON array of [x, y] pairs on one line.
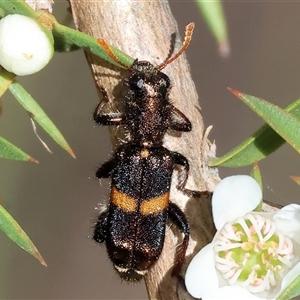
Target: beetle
[[133, 226]]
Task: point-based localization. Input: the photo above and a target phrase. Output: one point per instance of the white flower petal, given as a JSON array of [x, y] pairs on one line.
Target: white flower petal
[[233, 293], [201, 278], [233, 197], [288, 221], [288, 279]]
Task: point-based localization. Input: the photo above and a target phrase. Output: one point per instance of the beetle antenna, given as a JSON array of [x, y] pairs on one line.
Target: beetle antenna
[[187, 39], [107, 49]]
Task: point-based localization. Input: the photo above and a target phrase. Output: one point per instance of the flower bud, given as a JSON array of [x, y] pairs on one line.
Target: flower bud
[[26, 47]]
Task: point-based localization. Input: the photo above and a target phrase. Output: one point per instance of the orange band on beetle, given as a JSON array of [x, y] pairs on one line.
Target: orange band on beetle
[[122, 200], [155, 205]]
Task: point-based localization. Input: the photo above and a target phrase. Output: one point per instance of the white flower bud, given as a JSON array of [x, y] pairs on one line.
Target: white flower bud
[[25, 46]]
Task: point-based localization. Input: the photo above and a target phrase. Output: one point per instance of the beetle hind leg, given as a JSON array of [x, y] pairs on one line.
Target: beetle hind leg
[[177, 217], [100, 230]]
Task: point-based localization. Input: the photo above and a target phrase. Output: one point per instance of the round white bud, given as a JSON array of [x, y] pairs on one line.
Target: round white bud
[[25, 46]]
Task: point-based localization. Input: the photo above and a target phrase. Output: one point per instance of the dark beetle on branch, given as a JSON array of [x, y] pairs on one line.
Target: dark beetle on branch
[[133, 226]]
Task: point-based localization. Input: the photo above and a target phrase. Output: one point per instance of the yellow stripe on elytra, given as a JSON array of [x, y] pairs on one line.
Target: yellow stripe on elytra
[[122, 200], [130, 204], [155, 205]]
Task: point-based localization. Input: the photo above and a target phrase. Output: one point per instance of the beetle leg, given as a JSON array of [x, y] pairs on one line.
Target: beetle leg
[[179, 121], [183, 174], [105, 170], [178, 218], [100, 230], [115, 118]]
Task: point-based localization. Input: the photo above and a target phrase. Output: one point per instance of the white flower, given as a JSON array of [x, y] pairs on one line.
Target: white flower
[[25, 46], [254, 255]]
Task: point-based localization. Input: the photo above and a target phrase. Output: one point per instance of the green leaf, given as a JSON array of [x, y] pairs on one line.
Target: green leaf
[[291, 291], [13, 230], [61, 44], [255, 173], [10, 151], [261, 144], [213, 14], [296, 179], [69, 36], [284, 123], [37, 113], [6, 78], [17, 7]]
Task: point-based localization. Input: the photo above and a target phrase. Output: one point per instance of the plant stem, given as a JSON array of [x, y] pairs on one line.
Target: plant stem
[[143, 29]]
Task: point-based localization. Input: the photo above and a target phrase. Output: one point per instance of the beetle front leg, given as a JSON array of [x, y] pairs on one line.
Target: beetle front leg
[[105, 170], [106, 119], [179, 121]]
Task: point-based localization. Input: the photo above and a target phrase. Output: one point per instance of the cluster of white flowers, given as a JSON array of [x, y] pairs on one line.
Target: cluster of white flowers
[[254, 255], [25, 46]]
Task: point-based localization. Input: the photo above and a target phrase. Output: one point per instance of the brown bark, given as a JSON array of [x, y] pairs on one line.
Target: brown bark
[[40, 4], [143, 30]]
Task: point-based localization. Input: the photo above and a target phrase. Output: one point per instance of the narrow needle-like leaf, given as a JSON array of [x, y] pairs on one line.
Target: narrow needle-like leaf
[[6, 78], [18, 7], [255, 173], [259, 145], [10, 151], [14, 231], [67, 35], [213, 14], [284, 123], [37, 113], [291, 291], [296, 179]]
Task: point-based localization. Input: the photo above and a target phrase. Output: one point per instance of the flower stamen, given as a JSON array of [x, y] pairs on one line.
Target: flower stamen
[[260, 258]]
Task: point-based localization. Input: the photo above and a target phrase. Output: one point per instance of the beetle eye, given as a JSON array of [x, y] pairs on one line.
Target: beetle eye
[[136, 82], [163, 82], [140, 83], [164, 85]]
